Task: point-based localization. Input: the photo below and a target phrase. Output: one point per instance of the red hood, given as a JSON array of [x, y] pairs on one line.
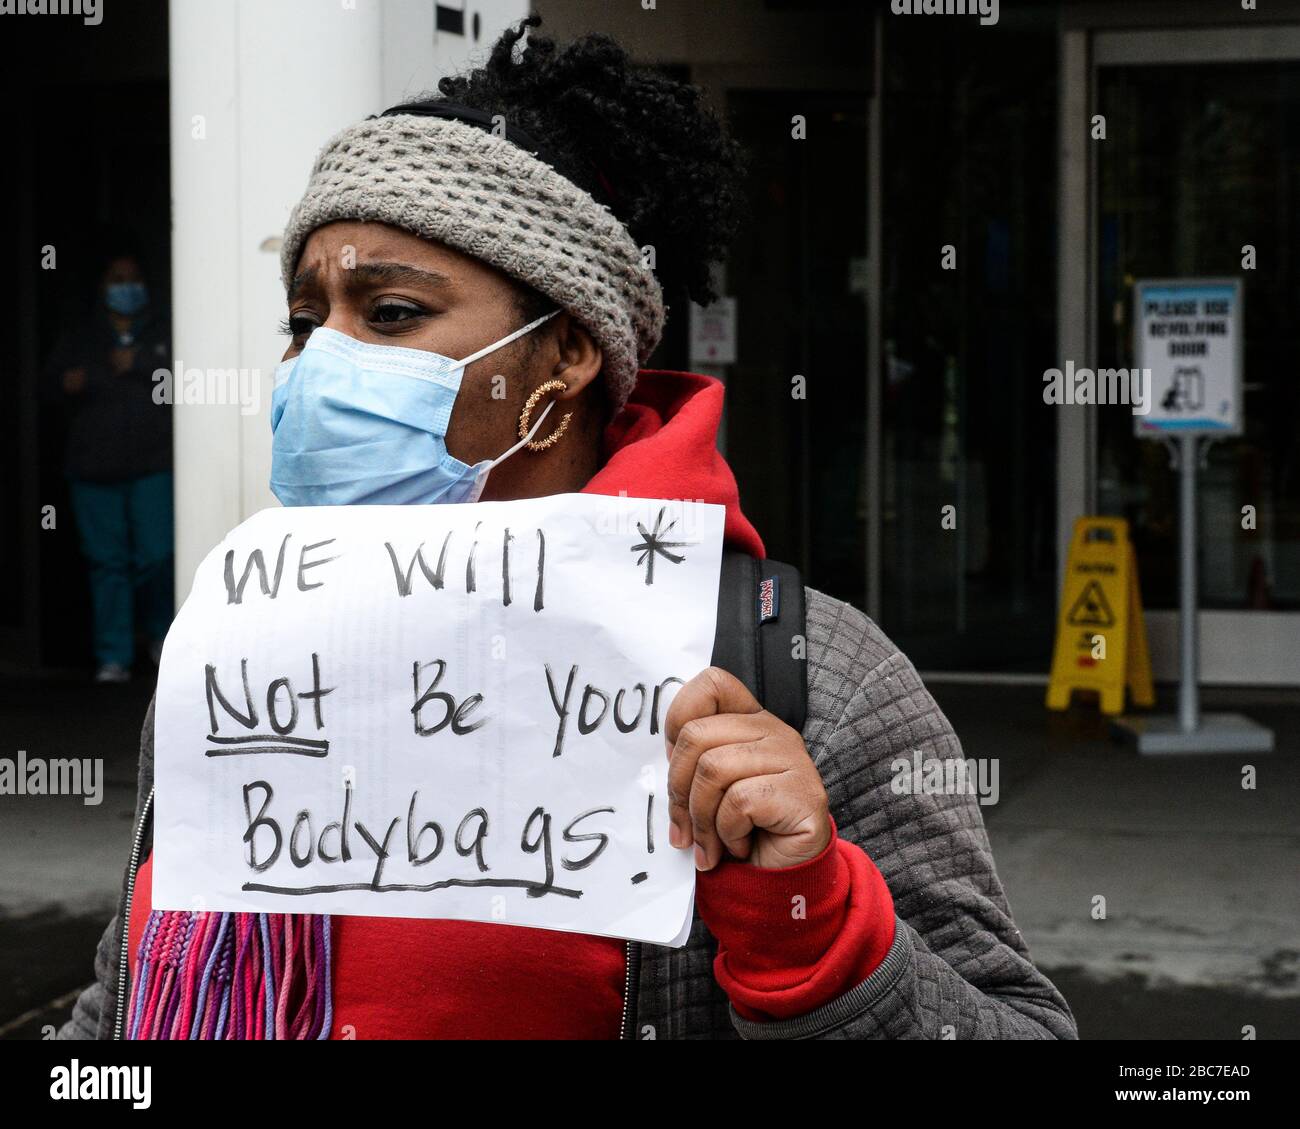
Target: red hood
[[664, 444]]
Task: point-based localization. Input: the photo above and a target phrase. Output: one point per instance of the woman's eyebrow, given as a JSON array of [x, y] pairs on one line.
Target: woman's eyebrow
[[368, 274], [371, 274], [302, 282]]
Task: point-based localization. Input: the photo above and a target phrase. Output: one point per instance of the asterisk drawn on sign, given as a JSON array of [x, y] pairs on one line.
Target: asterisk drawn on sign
[[653, 544]]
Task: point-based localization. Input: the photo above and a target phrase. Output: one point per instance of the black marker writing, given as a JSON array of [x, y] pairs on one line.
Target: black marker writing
[[601, 839], [475, 848], [533, 889], [588, 724], [271, 587], [434, 577], [380, 849], [404, 574], [544, 844], [235, 592], [627, 726], [505, 569], [562, 708], [340, 825], [304, 564], [541, 570], [250, 835], [413, 837], [454, 714], [470, 585], [425, 842], [280, 696], [295, 856]]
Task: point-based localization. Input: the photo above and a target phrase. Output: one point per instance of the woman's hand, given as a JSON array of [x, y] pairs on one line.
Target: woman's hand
[[740, 781]]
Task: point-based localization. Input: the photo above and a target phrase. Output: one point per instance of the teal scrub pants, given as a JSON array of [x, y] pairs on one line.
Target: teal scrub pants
[[126, 532]]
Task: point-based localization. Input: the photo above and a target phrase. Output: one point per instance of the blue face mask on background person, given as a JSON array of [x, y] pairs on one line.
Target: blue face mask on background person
[[126, 298], [360, 424]]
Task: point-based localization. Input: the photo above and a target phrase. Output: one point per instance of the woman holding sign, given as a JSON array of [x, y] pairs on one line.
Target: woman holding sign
[[512, 242]]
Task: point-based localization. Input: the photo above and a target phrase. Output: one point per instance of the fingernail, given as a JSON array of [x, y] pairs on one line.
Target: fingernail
[[675, 835], [701, 859]]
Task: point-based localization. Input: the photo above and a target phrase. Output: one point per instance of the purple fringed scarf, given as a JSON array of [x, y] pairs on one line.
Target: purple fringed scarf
[[232, 976]]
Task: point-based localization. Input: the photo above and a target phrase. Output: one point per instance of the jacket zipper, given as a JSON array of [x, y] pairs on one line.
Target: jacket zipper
[[122, 965], [628, 1030]]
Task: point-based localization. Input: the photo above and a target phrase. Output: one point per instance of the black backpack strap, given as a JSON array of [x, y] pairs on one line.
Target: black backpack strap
[[760, 636]]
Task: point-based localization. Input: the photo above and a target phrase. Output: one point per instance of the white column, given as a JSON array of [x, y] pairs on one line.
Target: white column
[[257, 87], [1075, 495]]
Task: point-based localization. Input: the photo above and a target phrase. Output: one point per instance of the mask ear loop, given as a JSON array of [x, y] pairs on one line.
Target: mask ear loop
[[483, 352], [493, 348], [526, 439]]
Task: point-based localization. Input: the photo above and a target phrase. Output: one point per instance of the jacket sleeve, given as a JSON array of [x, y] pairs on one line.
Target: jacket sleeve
[[91, 1004], [795, 938], [958, 967]]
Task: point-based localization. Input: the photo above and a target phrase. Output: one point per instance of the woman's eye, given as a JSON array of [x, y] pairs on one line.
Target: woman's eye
[[388, 312], [297, 326]]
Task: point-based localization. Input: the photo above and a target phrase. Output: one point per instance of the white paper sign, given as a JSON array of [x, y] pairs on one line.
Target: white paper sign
[[1189, 337], [448, 711]]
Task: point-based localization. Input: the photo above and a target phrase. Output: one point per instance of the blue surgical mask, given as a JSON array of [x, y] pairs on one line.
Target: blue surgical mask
[[126, 298], [360, 424]]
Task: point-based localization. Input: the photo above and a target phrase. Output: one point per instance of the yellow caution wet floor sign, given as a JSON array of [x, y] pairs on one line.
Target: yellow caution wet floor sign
[[1101, 637]]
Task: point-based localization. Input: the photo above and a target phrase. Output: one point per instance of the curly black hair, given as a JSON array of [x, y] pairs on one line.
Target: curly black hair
[[633, 137]]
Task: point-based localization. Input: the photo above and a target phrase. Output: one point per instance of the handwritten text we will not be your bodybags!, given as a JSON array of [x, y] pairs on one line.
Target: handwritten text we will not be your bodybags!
[[436, 711]]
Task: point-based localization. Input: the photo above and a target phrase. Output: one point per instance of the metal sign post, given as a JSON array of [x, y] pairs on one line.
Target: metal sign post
[[1189, 345], [1189, 704]]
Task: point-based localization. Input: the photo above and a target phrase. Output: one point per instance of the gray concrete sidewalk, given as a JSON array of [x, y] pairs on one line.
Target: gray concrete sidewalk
[[61, 861], [1201, 878]]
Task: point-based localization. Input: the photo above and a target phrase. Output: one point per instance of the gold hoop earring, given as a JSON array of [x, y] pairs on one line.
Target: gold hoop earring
[[525, 417]]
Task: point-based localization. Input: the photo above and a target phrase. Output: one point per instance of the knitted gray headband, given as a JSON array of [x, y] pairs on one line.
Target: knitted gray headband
[[483, 195]]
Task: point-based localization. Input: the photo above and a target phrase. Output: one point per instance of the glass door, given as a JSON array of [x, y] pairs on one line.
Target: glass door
[[968, 447], [795, 276], [1199, 176]]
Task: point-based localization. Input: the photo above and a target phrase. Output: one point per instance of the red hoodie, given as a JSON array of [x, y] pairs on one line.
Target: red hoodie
[[789, 940]]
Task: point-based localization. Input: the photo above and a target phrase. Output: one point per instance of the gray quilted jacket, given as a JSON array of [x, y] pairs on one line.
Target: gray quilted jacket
[[958, 967]]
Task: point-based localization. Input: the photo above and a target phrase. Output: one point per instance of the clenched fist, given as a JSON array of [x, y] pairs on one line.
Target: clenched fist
[[740, 781]]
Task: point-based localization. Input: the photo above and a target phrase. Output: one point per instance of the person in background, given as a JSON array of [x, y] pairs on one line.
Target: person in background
[[118, 463]]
